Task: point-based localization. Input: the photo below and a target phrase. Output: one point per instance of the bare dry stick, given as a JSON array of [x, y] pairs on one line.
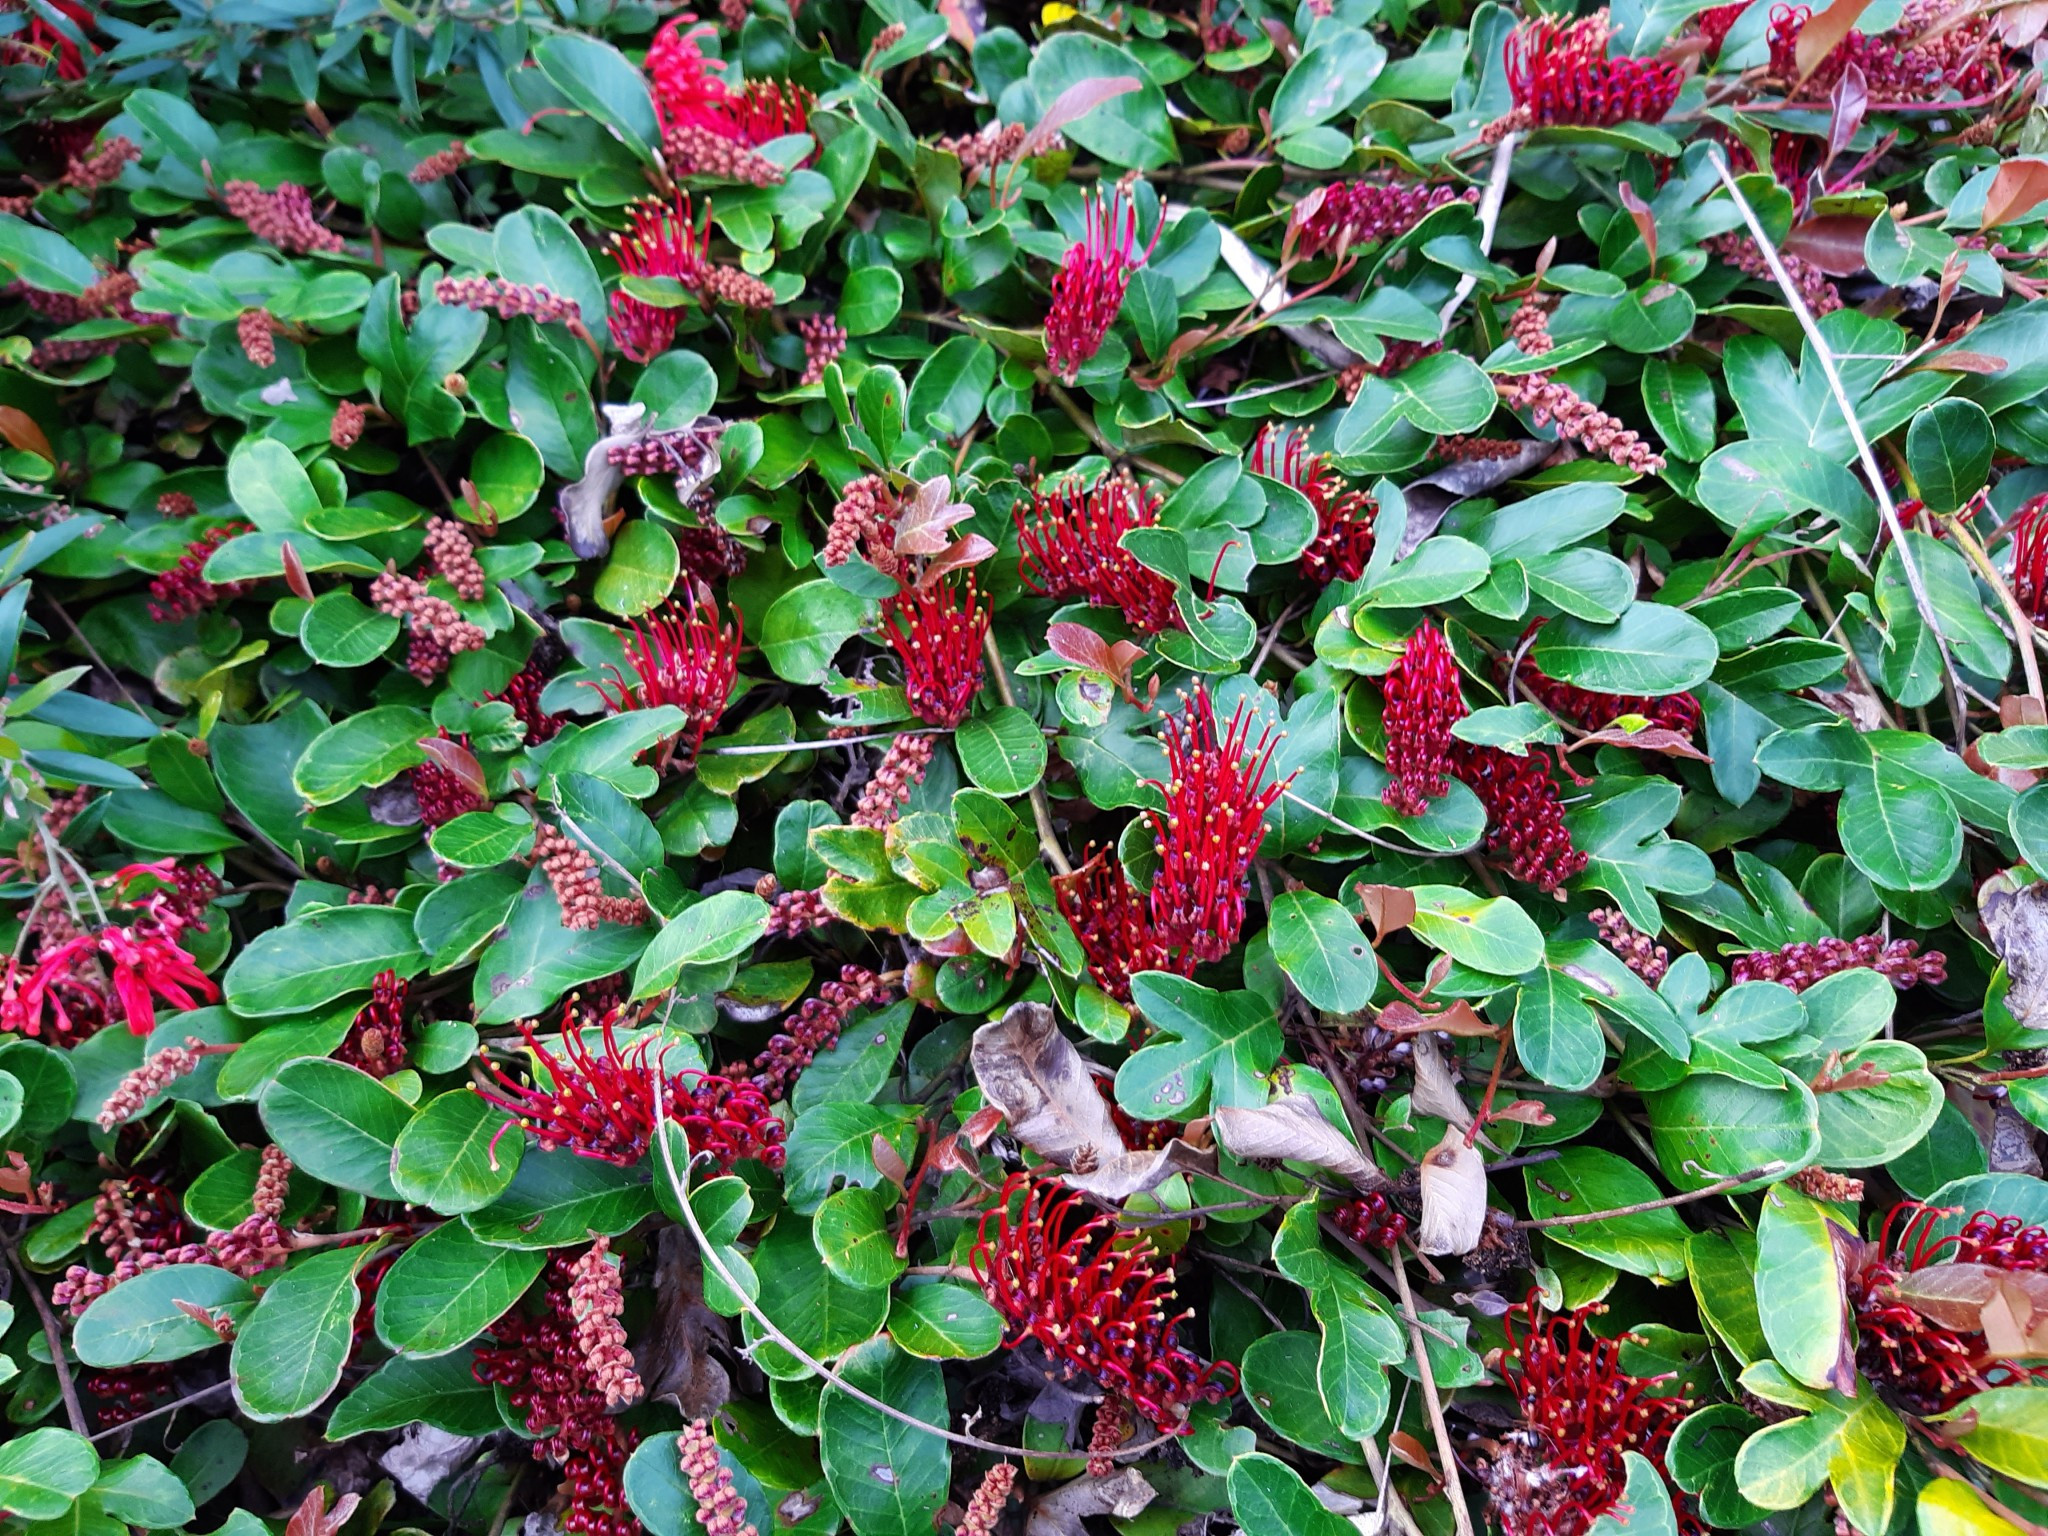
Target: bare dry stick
[[2022, 626], [1871, 472], [1719, 1186], [1445, 1451], [53, 1335], [1489, 217], [1048, 840]]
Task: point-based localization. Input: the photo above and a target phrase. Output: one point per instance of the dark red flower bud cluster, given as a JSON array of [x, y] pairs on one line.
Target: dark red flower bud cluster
[[284, 217], [375, 1040], [1799, 966], [121, 1396], [538, 1360], [1563, 1467], [1591, 711], [1717, 21], [1924, 1365], [1937, 48], [1371, 1221], [1636, 949], [182, 592], [524, 691], [824, 340], [2029, 529], [1525, 830], [1344, 514], [1348, 213], [937, 632], [443, 795], [1560, 75], [1424, 700], [814, 1027], [1070, 539]]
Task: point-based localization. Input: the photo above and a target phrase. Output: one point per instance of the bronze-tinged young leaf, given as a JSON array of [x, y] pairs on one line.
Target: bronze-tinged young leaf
[[923, 518], [2019, 187], [1822, 34], [19, 431], [1831, 241], [1073, 104], [1389, 908]]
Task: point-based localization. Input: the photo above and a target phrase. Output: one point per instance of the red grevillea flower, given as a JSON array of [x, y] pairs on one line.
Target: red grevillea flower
[[539, 1362], [1071, 549], [376, 1039], [1934, 50], [1923, 1348], [1525, 830], [1343, 541], [1562, 1467], [144, 962], [39, 42], [182, 592], [1591, 711], [1090, 286], [1113, 924], [1212, 826], [1093, 1300], [684, 659], [1559, 74], [442, 795], [1348, 213], [768, 110], [2029, 529], [1799, 966], [687, 91], [1717, 21], [524, 691], [938, 631], [663, 242], [602, 1105], [1424, 700]]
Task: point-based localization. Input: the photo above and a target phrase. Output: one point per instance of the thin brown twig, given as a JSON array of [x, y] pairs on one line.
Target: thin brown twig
[[1706, 1191], [53, 1334], [1454, 1486]]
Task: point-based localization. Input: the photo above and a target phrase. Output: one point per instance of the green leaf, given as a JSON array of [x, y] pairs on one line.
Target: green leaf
[[717, 928], [597, 77], [483, 839], [558, 1198], [1799, 1290], [805, 627], [1710, 1127], [1583, 1180], [443, 1392], [853, 1235], [337, 1123], [340, 630], [1002, 751], [1323, 951], [44, 259], [1948, 451], [139, 1321], [834, 1143], [360, 752], [1644, 1508], [43, 1471], [870, 300], [1651, 649], [456, 1154], [641, 571], [143, 1491], [290, 1351], [1488, 934], [1326, 81], [1680, 400], [886, 1476], [448, 1287], [1268, 1495], [1130, 130], [943, 1321], [1899, 829], [1208, 1048], [2006, 1428]]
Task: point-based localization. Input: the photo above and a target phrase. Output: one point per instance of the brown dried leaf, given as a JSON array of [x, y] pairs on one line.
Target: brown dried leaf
[[2019, 187], [1389, 908], [1066, 1510], [2015, 1319], [1453, 1197], [1525, 1112], [21, 433], [1292, 1129], [678, 1357], [1405, 1447], [2015, 920], [1822, 34], [1436, 1083]]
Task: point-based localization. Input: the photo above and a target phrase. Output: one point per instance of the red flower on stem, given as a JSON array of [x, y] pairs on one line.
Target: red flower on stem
[[688, 90], [1559, 74], [1348, 213], [1070, 539], [1717, 21], [2029, 530], [601, 1105], [1344, 515], [1933, 51], [937, 632], [680, 658], [1923, 1343], [1525, 830], [663, 242], [1424, 700], [1090, 286], [182, 592], [1113, 924], [1799, 966], [1562, 1467], [1094, 1300]]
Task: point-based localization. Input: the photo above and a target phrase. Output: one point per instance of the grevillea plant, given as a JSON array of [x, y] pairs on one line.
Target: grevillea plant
[[917, 768]]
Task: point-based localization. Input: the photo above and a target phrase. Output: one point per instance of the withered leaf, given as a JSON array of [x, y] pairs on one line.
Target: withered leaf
[[1453, 1197], [1292, 1129], [1065, 1511]]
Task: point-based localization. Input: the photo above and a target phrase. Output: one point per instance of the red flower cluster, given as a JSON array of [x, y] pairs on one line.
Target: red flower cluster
[[680, 658], [1525, 830], [1799, 966], [524, 691], [538, 1361], [1344, 515], [1094, 1301], [1559, 74], [814, 1027], [376, 1039], [443, 795], [1424, 700], [1717, 21], [1562, 1468], [1090, 286], [1206, 840], [602, 1106], [1070, 540], [1348, 213], [665, 241], [689, 91], [2029, 530], [937, 632], [182, 592], [67, 990], [1929, 54], [1591, 711], [1924, 1364]]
